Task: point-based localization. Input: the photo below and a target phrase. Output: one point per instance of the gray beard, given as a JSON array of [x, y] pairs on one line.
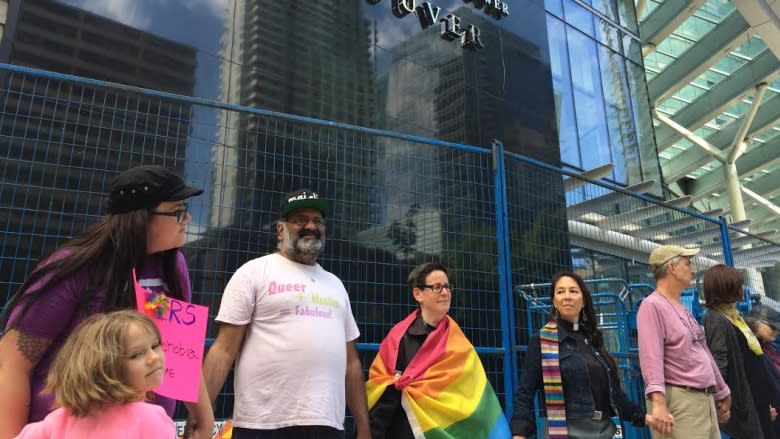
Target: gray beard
[[304, 251]]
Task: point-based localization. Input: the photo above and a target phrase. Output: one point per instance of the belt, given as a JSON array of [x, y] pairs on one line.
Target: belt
[[597, 415], [706, 390]]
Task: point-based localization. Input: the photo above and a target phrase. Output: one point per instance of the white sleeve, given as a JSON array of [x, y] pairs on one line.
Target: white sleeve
[[351, 331], [240, 295]]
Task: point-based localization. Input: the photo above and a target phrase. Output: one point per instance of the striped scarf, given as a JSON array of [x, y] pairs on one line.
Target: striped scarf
[[553, 386]]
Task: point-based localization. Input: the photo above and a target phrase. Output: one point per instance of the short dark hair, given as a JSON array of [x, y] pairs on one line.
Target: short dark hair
[[722, 285], [420, 272]]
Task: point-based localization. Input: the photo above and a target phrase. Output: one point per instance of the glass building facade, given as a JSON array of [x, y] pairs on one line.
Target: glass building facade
[[359, 63], [600, 89]]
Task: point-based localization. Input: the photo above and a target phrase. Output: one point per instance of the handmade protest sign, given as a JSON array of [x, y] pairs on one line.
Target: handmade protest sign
[[183, 329]]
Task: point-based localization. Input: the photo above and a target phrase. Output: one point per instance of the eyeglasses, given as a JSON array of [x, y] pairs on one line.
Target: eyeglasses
[[180, 214], [438, 288], [302, 221]]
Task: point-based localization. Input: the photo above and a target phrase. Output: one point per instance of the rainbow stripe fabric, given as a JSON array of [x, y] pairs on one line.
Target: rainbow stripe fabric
[[553, 386], [444, 390]]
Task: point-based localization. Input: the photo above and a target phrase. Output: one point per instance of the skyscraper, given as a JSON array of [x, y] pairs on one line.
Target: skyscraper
[[308, 59]]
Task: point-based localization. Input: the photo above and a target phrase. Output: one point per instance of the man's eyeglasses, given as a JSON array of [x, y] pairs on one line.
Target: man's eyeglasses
[[180, 214], [302, 221], [438, 288]]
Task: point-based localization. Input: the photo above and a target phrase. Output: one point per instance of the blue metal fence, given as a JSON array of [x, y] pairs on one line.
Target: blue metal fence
[[499, 220]]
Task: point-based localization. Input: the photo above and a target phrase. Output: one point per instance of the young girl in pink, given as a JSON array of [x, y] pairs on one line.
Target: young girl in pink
[[100, 379]]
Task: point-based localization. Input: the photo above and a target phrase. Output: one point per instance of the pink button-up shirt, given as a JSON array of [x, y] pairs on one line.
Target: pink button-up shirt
[[673, 349]]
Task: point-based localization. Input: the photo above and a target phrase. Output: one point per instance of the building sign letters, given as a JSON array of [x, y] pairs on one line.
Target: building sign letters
[[450, 25]]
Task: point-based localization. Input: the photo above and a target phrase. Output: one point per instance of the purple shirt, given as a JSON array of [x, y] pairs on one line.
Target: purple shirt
[[673, 349], [55, 317]]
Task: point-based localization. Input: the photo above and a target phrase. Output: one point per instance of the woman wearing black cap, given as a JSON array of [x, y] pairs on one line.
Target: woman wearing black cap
[[92, 272]]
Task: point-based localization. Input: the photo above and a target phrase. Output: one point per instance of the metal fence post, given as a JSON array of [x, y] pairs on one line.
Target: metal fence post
[[725, 241], [504, 274]]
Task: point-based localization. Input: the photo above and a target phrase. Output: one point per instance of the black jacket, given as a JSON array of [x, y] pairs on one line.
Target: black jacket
[[747, 377], [576, 386], [387, 418]]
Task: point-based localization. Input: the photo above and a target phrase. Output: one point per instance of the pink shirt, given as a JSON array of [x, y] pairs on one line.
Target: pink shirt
[[673, 349], [135, 420]]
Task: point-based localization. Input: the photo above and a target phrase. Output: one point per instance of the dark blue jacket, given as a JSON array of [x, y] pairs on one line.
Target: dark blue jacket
[[576, 386]]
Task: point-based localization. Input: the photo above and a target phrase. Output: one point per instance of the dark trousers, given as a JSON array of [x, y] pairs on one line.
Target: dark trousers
[[303, 432]]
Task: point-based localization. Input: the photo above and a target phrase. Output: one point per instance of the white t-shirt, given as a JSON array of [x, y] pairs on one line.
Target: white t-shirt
[[291, 367]]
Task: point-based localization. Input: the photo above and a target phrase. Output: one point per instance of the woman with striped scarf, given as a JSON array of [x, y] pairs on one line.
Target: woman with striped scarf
[[568, 362]]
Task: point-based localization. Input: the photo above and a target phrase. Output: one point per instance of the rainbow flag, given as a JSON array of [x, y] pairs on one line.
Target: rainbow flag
[[226, 432], [444, 390]]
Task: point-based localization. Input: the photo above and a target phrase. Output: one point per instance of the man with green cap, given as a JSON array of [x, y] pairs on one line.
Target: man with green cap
[[288, 325]]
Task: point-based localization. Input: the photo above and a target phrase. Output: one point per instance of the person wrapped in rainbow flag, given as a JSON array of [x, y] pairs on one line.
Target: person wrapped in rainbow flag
[[427, 380]]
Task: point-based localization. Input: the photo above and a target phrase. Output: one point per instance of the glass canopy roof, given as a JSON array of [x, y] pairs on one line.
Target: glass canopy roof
[[702, 72]]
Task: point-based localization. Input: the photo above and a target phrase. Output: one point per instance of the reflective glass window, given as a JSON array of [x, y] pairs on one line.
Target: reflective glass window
[[729, 64], [750, 48], [627, 13], [643, 123], [674, 45], [694, 27], [564, 99], [554, 7], [608, 34], [657, 61], [579, 17], [588, 100], [689, 93], [671, 106], [708, 79], [620, 121], [715, 10], [632, 48]]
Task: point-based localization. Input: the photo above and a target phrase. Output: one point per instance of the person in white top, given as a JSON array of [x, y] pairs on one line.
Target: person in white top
[[288, 325]]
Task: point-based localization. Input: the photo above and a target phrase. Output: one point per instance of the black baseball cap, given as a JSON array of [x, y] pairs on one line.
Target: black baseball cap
[[303, 198], [144, 187]]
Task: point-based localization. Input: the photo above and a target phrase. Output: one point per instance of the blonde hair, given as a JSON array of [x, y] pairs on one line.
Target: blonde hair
[[88, 372]]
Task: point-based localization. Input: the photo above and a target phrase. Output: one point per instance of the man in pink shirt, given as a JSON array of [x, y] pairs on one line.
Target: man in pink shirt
[[685, 391]]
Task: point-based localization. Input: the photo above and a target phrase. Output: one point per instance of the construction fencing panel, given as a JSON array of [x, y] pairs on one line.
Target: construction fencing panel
[[397, 201], [504, 224], [564, 220], [757, 259]]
